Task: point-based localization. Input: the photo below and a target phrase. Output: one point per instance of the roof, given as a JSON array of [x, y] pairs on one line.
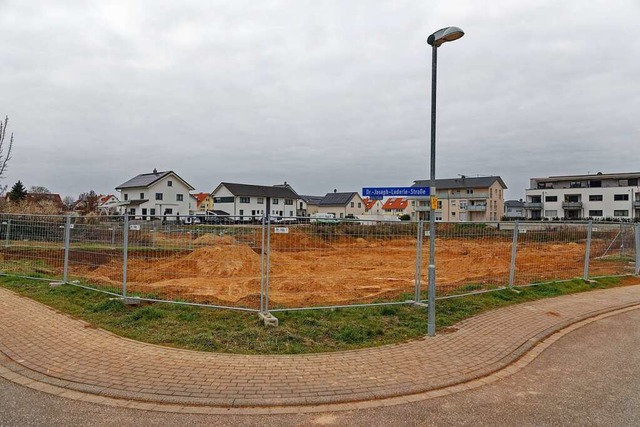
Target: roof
[[462, 182], [597, 176], [259, 190], [337, 199], [395, 203], [369, 203], [514, 203], [312, 200], [148, 179]]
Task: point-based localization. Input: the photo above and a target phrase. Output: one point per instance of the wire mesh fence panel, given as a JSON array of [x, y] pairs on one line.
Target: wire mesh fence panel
[[32, 245], [95, 252], [330, 262], [205, 264], [550, 251], [469, 257], [612, 249]]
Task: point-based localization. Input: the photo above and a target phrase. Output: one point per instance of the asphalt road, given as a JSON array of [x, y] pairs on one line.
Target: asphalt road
[[590, 377]]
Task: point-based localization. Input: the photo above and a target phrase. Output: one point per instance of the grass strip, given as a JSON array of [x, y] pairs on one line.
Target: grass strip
[[313, 331]]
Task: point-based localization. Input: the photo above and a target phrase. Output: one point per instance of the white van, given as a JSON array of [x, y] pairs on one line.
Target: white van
[[326, 218]]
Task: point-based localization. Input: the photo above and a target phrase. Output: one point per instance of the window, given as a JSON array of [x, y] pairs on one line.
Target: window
[[595, 213], [169, 183], [245, 199], [633, 182], [491, 193], [132, 211], [353, 204], [261, 200], [288, 202], [551, 213], [126, 196], [453, 214], [168, 211], [595, 184], [620, 213], [141, 196], [575, 184], [595, 197], [469, 191], [360, 204], [158, 196], [275, 201], [619, 197], [152, 211], [179, 197], [241, 212], [290, 213], [551, 199], [223, 200], [440, 205]]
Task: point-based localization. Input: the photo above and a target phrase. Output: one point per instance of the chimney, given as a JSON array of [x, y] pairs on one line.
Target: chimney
[[335, 190], [155, 171]]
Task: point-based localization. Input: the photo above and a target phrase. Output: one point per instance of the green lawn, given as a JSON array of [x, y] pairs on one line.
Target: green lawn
[[311, 331]]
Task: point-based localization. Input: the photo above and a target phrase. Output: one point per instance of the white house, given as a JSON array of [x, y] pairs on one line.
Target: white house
[[613, 195], [514, 209], [107, 204], [248, 202], [342, 205], [149, 195]]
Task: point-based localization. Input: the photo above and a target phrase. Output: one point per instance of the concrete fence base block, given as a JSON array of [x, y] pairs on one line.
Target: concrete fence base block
[[590, 281], [130, 301], [55, 284], [268, 319]]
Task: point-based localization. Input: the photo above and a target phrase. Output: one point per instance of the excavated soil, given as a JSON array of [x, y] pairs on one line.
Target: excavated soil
[[308, 270]]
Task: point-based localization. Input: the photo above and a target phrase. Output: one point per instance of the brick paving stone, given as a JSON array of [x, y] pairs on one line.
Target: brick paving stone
[[44, 348]]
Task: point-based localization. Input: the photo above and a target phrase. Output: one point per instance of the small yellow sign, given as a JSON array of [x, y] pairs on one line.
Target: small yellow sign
[[434, 203]]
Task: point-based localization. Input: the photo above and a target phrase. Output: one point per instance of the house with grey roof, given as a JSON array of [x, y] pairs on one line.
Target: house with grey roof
[[342, 205], [249, 202], [151, 195], [462, 199]]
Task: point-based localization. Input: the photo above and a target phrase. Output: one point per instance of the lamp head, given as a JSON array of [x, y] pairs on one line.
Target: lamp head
[[444, 35]]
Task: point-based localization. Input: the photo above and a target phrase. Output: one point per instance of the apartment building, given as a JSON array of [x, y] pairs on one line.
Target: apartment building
[[598, 196], [249, 202], [462, 199]]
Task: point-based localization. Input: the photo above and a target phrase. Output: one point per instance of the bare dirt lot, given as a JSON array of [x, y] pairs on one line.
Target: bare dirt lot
[[311, 270]]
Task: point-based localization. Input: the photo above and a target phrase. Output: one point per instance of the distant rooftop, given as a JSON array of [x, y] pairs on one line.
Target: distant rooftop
[[462, 182]]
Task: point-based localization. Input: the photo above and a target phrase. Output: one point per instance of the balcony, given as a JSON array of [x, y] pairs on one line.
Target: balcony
[[422, 208], [533, 205], [463, 196], [571, 205], [636, 204], [476, 208]]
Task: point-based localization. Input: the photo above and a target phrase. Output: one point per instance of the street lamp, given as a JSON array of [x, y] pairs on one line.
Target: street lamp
[[436, 39]]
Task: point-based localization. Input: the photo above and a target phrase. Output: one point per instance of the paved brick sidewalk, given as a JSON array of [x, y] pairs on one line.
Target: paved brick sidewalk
[[52, 348]]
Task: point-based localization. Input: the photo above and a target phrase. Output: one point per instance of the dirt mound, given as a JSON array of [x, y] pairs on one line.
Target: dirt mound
[[214, 239]]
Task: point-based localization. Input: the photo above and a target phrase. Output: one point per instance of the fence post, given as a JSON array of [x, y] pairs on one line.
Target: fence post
[[67, 239], [125, 250], [7, 238], [416, 297], [262, 255], [266, 284], [514, 251], [587, 253], [637, 272]]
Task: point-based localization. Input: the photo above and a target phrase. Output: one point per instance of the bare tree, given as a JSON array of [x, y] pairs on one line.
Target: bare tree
[[5, 151], [39, 189]]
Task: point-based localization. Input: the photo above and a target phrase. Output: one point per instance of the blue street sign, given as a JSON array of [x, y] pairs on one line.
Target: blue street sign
[[375, 192]]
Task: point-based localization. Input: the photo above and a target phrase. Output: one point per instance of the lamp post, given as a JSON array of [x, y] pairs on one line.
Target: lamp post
[[436, 39]]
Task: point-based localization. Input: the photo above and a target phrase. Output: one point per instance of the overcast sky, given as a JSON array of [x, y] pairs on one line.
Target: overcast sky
[[321, 94]]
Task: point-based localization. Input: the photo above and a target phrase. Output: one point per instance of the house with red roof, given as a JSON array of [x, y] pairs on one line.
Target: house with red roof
[[395, 206], [372, 206], [204, 202]]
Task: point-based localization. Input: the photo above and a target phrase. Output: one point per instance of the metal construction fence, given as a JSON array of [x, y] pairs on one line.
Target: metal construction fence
[[305, 263]]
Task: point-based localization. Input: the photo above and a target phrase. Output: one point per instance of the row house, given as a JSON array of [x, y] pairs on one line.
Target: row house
[[462, 199], [248, 201], [372, 206], [598, 196]]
